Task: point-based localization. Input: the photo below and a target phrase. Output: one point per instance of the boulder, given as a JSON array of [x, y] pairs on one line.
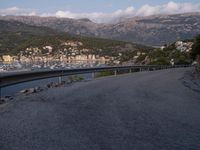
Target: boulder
[[24, 91], [31, 90], [38, 89], [50, 85], [5, 99], [2, 100]]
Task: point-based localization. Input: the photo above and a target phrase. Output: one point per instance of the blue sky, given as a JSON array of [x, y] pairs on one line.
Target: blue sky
[[83, 5], [96, 10]]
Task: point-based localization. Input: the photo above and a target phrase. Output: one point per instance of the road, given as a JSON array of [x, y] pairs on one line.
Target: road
[[142, 111]]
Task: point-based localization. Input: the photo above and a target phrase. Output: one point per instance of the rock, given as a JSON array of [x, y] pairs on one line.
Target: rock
[[2, 101], [56, 85], [50, 85], [5, 99], [9, 97], [69, 81], [63, 82], [38, 89], [24, 91], [31, 90]]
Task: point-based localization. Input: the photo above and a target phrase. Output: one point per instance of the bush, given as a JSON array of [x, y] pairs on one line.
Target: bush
[[196, 51], [75, 78], [160, 61], [104, 73], [196, 48]]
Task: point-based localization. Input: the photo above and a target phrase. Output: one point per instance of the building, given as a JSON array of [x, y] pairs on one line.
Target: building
[[7, 59], [183, 46]]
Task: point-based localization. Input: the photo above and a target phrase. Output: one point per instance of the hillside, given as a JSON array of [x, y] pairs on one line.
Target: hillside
[[153, 30], [16, 37]]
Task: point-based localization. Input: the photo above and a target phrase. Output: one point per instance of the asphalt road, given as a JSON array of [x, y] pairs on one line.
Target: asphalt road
[[142, 111]]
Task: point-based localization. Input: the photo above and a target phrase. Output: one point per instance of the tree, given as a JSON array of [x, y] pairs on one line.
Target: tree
[[196, 50], [196, 47]]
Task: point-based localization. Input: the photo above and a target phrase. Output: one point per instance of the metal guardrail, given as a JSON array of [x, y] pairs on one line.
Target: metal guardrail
[[15, 78]]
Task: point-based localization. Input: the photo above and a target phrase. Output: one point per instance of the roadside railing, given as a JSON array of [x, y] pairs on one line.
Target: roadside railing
[[15, 78]]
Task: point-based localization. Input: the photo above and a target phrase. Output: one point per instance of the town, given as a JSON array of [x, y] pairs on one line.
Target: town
[[73, 56], [45, 58]]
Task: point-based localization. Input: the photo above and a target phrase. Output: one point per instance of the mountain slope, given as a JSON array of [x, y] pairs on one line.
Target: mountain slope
[[16, 37], [153, 30], [158, 30]]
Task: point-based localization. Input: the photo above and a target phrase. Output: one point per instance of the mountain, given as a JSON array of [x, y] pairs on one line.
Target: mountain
[[17, 37], [158, 30], [14, 35], [72, 26], [152, 30]]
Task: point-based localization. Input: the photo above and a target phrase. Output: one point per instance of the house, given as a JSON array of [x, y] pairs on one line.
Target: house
[[183, 46], [7, 58], [49, 48], [162, 47]]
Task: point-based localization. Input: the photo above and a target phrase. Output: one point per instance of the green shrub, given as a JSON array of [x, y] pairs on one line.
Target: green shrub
[[104, 73]]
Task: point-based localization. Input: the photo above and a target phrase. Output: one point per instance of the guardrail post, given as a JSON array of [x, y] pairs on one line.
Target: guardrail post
[[93, 75], [60, 78], [115, 72], [0, 92], [130, 70]]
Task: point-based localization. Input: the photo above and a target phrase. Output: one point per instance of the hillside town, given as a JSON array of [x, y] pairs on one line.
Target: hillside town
[[71, 56]]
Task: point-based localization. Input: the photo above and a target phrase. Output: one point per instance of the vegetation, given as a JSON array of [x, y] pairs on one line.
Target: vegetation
[[104, 73], [75, 78], [196, 50], [16, 37], [169, 53], [196, 47]]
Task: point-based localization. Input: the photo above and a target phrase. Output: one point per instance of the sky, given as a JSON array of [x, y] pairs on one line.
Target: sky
[[100, 11]]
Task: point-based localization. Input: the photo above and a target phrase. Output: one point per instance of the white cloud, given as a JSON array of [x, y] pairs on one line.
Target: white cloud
[[100, 17], [17, 11], [95, 16], [169, 8], [146, 10]]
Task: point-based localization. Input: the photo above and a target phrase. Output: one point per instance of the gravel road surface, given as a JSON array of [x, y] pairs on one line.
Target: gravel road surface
[[141, 111]]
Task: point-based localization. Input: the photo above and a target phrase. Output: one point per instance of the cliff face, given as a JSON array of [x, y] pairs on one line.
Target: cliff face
[[153, 30]]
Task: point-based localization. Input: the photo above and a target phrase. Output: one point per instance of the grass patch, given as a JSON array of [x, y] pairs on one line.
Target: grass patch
[[104, 74], [75, 78]]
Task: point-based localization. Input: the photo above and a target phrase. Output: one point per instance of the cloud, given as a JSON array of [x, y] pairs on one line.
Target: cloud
[[169, 8], [145, 10], [100, 17], [17, 11]]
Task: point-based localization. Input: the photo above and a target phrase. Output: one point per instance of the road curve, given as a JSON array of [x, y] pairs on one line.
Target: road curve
[[142, 111]]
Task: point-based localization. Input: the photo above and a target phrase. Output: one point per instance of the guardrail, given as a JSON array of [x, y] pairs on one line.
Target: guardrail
[[15, 78]]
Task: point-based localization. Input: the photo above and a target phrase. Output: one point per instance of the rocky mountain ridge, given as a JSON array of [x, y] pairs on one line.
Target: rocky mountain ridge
[[154, 30]]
